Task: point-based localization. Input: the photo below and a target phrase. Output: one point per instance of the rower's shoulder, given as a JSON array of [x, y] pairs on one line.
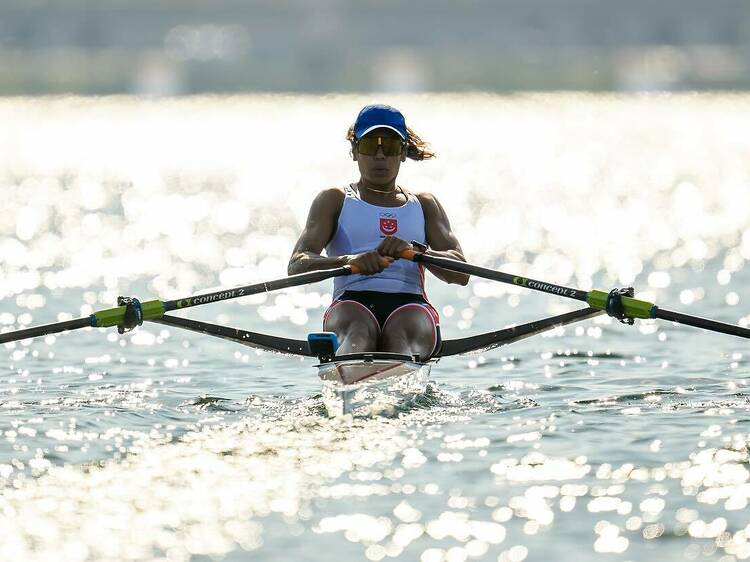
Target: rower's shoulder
[[426, 198], [330, 197], [335, 192]]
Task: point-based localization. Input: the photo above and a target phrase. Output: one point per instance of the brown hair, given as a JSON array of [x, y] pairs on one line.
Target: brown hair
[[416, 148]]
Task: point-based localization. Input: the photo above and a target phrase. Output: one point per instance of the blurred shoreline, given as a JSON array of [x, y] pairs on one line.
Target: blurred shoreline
[[161, 48]]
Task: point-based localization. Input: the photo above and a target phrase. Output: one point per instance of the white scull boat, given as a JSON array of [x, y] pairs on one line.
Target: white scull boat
[[370, 382], [375, 380]]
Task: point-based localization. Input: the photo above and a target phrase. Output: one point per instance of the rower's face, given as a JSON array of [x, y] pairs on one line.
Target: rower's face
[[379, 168]]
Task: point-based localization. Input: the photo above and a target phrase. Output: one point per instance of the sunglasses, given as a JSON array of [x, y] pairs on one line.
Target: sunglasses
[[392, 146]]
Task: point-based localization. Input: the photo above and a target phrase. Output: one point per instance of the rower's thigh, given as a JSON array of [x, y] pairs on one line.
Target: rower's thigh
[[350, 318], [412, 322]]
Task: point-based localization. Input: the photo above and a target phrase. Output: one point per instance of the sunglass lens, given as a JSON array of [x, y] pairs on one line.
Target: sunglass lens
[[391, 147], [368, 146]]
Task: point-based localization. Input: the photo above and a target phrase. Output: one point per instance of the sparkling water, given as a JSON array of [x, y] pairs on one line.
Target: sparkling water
[[595, 442]]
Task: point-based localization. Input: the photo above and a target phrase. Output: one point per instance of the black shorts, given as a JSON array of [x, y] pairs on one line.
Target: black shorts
[[383, 305]]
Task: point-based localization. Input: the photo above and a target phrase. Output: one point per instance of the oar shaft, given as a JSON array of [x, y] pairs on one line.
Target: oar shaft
[[633, 308], [286, 282], [705, 323], [155, 308], [47, 329], [463, 267]]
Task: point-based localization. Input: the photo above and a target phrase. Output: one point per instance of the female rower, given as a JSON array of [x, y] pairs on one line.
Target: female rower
[[367, 224]]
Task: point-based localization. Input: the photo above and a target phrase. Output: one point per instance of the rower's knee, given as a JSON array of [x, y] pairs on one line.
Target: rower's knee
[[356, 329], [357, 343], [357, 338], [409, 332], [397, 341]]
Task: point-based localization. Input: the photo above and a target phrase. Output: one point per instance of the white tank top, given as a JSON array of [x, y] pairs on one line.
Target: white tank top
[[362, 227]]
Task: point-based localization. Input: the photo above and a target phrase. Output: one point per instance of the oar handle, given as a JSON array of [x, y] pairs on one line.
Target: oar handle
[[384, 261], [410, 255]]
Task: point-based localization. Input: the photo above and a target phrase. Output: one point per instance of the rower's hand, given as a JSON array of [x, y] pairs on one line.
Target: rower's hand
[[369, 263], [392, 247]]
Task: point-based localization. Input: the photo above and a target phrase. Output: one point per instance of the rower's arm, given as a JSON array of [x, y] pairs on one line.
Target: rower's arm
[[440, 239], [319, 229]]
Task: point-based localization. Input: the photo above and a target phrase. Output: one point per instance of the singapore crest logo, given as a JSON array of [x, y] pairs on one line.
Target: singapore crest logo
[[388, 224]]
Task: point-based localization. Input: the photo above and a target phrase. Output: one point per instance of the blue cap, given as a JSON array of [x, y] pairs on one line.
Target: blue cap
[[376, 116]]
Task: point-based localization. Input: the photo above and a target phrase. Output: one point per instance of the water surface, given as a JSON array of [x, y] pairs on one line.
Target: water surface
[[596, 442]]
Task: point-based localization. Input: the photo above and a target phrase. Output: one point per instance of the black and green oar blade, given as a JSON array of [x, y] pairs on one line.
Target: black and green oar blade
[[155, 308], [633, 308]]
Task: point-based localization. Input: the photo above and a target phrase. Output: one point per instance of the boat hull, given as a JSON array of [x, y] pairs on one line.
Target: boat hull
[[370, 384]]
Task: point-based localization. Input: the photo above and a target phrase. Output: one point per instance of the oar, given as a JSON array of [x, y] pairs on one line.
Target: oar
[[631, 307], [151, 310]]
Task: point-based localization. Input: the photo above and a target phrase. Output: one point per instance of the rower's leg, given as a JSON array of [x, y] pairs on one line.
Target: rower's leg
[[411, 330], [355, 326]]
